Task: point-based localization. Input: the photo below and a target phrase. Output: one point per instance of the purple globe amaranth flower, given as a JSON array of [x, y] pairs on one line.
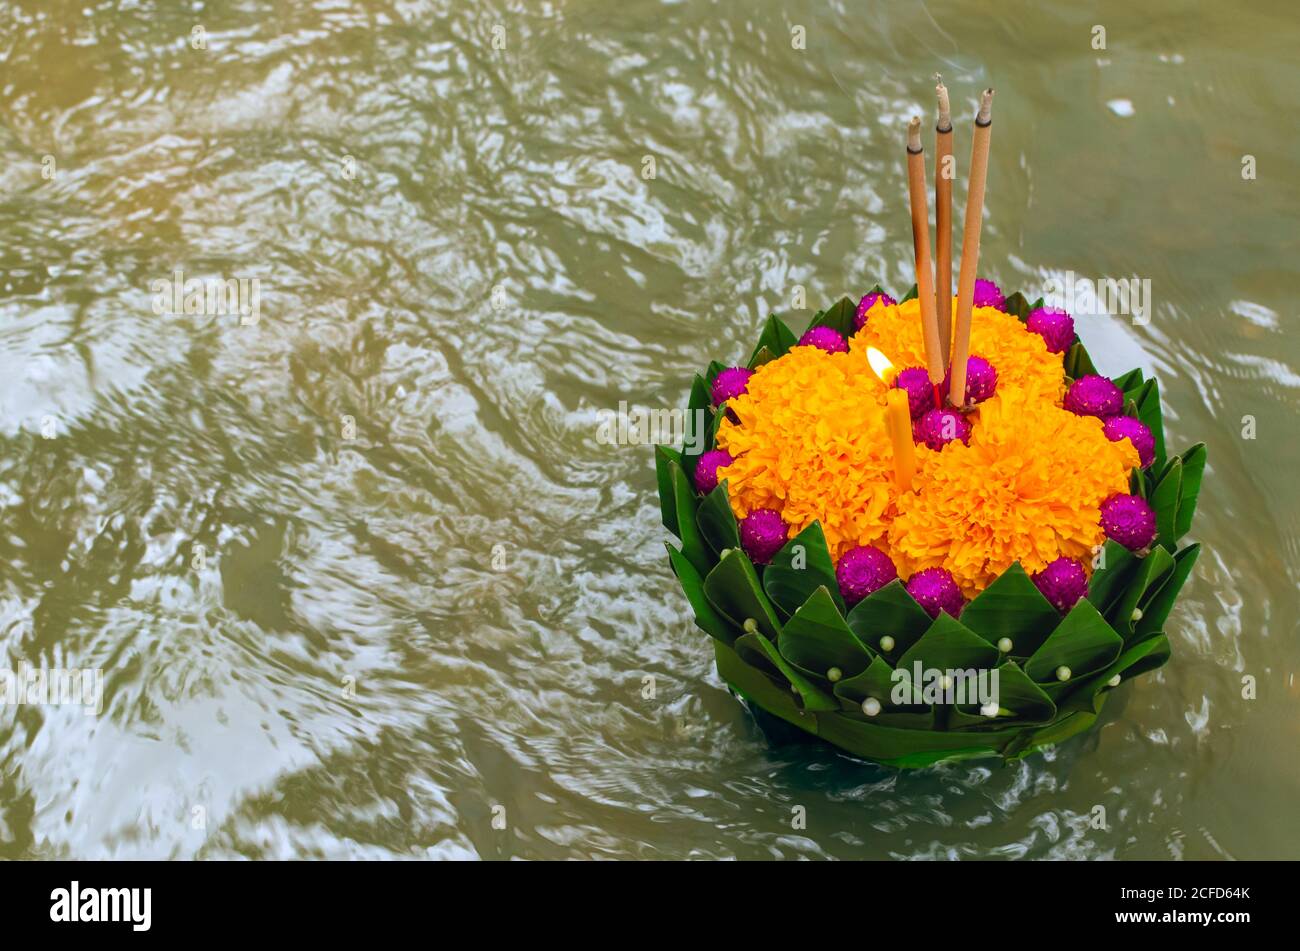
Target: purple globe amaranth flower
[[1094, 395], [730, 383], [1129, 520], [762, 533], [824, 338], [988, 294], [1063, 582], [981, 380], [935, 590], [706, 470], [863, 570], [868, 301], [1056, 327], [1136, 432], [920, 392], [938, 427]]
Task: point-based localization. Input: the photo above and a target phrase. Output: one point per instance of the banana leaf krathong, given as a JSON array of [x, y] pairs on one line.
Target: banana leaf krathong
[[785, 643]]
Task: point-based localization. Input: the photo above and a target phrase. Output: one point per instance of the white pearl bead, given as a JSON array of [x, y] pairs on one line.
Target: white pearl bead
[[1005, 645], [945, 682], [886, 643], [1063, 673], [989, 709], [1114, 681], [871, 706], [834, 674], [1137, 614]]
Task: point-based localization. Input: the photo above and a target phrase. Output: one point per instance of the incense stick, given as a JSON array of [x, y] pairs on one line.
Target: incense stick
[[970, 247], [943, 222], [921, 245]]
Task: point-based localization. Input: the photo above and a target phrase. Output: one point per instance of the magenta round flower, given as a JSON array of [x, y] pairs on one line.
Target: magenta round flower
[[1136, 432], [938, 427], [988, 294], [706, 470], [863, 570], [824, 338], [730, 383], [935, 590], [1056, 327], [868, 301], [1094, 396], [762, 533], [981, 380], [920, 392], [1063, 582], [1129, 520]]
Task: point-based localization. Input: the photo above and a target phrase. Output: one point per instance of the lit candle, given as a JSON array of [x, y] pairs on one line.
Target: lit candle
[[898, 420]]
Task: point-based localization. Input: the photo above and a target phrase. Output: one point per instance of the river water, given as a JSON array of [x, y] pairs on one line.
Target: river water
[[361, 579]]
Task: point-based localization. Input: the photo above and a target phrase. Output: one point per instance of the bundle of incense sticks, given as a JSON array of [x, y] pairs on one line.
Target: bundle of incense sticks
[[947, 337]]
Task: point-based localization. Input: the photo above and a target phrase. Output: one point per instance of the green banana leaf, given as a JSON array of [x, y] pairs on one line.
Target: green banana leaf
[[776, 338], [664, 457], [1083, 642], [1193, 470], [1078, 363], [707, 618], [1014, 608], [949, 644], [1141, 657], [1156, 607], [693, 545], [732, 587], [1018, 306], [839, 317], [816, 640], [813, 697], [1165, 501], [802, 566], [1148, 407], [1150, 574], [761, 356], [1110, 578], [715, 521], [889, 611]]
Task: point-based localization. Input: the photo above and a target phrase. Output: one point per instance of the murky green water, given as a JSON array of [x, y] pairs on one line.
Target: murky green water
[[426, 596]]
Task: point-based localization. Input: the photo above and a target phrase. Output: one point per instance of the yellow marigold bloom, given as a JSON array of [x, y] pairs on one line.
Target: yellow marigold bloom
[[1021, 359], [811, 444], [1028, 488]]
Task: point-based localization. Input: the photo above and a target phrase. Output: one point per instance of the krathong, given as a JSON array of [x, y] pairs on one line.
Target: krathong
[[851, 524]]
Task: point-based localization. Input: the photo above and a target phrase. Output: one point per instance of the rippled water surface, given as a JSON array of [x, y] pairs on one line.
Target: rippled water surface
[[360, 576]]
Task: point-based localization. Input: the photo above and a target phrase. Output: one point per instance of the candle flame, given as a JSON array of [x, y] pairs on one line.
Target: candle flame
[[881, 366]]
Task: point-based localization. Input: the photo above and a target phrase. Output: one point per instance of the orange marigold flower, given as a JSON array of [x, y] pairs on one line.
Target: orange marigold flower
[[810, 442], [1027, 488]]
